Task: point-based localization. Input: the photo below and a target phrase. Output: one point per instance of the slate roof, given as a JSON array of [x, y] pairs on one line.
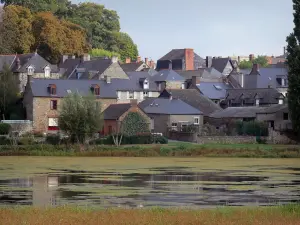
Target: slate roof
[[214, 90], [273, 109], [194, 98], [114, 111], [265, 95], [6, 59], [131, 67], [69, 65], [34, 59], [220, 63], [266, 77], [136, 77], [188, 74], [237, 112], [168, 106], [167, 75]]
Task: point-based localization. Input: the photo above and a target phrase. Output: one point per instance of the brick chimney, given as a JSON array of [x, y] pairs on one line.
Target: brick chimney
[[189, 59], [128, 60], [251, 57], [138, 60], [255, 69], [147, 61]]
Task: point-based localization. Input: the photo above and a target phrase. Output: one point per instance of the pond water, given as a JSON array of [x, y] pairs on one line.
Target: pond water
[[145, 182]]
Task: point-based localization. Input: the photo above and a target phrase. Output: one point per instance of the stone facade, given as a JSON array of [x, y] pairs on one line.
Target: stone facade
[[114, 71], [226, 140], [280, 119], [174, 84], [123, 96], [276, 137], [23, 78]]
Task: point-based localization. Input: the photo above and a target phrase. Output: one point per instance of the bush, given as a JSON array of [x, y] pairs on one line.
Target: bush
[[4, 128], [4, 141], [26, 141], [252, 128], [160, 140], [53, 139]]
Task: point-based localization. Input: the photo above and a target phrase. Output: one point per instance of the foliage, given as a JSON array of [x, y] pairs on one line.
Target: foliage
[[134, 124], [8, 91], [252, 128], [80, 117], [53, 139], [16, 30], [96, 52], [293, 62], [4, 128], [4, 140], [245, 64], [261, 60], [56, 37], [126, 47]]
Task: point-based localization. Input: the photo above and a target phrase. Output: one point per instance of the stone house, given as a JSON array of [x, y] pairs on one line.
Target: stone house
[[223, 65], [215, 91], [32, 64], [169, 114], [168, 79], [85, 68], [115, 114], [181, 59], [138, 65]]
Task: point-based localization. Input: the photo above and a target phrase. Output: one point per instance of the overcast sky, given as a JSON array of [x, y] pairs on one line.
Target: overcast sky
[[211, 27]]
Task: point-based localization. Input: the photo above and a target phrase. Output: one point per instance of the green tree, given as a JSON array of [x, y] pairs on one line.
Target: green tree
[[126, 46], [80, 117], [134, 124], [293, 62], [55, 37], [261, 60], [16, 30], [9, 91], [95, 52], [245, 65]]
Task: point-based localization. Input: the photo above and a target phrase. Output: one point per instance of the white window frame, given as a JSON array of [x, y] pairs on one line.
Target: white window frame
[[47, 72], [174, 127], [52, 122], [183, 86], [146, 84], [30, 70], [280, 102], [197, 118], [146, 94], [129, 93], [119, 95], [257, 102]]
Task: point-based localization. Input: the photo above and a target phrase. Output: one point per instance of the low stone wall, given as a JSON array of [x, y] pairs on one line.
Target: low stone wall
[[182, 136], [20, 126], [276, 137], [226, 140]]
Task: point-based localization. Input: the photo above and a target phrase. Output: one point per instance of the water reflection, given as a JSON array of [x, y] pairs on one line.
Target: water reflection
[[165, 187]]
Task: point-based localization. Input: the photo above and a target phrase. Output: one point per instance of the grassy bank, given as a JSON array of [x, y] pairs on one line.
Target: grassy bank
[[279, 215], [172, 149]]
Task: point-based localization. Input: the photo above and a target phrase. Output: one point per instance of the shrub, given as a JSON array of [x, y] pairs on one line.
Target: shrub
[[4, 141], [26, 141], [4, 128], [53, 139], [160, 140], [251, 128]]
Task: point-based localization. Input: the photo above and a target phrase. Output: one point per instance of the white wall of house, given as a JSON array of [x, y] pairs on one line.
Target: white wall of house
[[126, 96]]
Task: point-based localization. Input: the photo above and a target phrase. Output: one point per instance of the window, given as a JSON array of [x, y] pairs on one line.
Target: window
[[52, 123], [285, 116], [183, 86], [109, 129], [257, 102], [53, 104], [146, 94], [196, 120], [280, 102], [30, 70], [146, 84], [174, 126], [52, 89], [130, 94], [95, 89], [47, 72]]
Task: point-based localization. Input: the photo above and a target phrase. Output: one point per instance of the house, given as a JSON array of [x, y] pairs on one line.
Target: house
[[215, 91], [34, 64], [277, 116], [138, 65], [192, 97], [266, 78], [181, 59], [253, 97], [223, 65], [171, 114], [168, 79], [92, 69], [115, 114]]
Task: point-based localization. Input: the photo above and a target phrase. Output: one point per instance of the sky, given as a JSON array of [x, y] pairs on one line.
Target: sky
[[210, 27]]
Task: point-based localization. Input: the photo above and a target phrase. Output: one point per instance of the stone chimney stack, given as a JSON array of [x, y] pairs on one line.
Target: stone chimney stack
[[189, 59], [138, 60], [170, 64], [147, 61], [251, 57], [128, 60], [114, 59]]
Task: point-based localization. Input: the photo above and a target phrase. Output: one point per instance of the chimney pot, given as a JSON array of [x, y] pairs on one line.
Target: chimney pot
[[138, 59], [251, 57]]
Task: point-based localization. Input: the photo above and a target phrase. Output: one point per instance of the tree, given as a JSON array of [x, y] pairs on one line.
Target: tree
[[55, 37], [16, 30], [293, 62], [261, 60], [95, 52], [8, 91], [135, 124], [245, 64], [126, 46], [80, 117]]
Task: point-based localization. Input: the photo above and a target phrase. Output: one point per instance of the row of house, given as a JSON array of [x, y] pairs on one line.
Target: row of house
[[184, 89]]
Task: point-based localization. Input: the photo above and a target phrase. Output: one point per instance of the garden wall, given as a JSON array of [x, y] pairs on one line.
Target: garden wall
[[226, 140], [20, 126]]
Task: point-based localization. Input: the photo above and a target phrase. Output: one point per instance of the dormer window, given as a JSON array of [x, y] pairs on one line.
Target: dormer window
[[183, 86], [52, 89], [30, 70], [95, 89], [257, 102], [47, 72], [146, 84]]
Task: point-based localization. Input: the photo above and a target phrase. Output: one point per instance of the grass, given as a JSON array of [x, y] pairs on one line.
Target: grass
[[278, 215], [172, 149]]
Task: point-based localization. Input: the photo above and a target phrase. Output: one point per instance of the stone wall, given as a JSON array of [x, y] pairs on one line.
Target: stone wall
[[226, 140], [23, 78], [174, 84], [276, 137], [20, 126], [182, 136], [114, 71]]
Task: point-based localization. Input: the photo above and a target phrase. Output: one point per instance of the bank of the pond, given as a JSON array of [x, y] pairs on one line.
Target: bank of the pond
[[279, 215], [174, 149]]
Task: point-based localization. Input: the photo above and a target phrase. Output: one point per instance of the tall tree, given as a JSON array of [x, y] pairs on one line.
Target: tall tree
[[55, 37], [8, 91], [80, 117], [126, 46], [16, 30], [293, 62], [261, 60]]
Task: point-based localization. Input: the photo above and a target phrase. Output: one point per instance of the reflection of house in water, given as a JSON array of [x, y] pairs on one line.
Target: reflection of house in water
[[44, 191]]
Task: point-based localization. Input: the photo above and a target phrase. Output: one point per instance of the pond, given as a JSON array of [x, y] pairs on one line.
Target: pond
[[147, 182]]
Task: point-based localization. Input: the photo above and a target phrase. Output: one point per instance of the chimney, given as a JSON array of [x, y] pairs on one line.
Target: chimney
[[170, 65], [194, 81], [189, 59], [255, 69], [208, 61], [147, 61], [86, 57], [133, 102], [251, 57], [128, 60], [239, 59], [171, 97], [63, 58], [107, 79], [151, 64], [114, 59], [138, 60]]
